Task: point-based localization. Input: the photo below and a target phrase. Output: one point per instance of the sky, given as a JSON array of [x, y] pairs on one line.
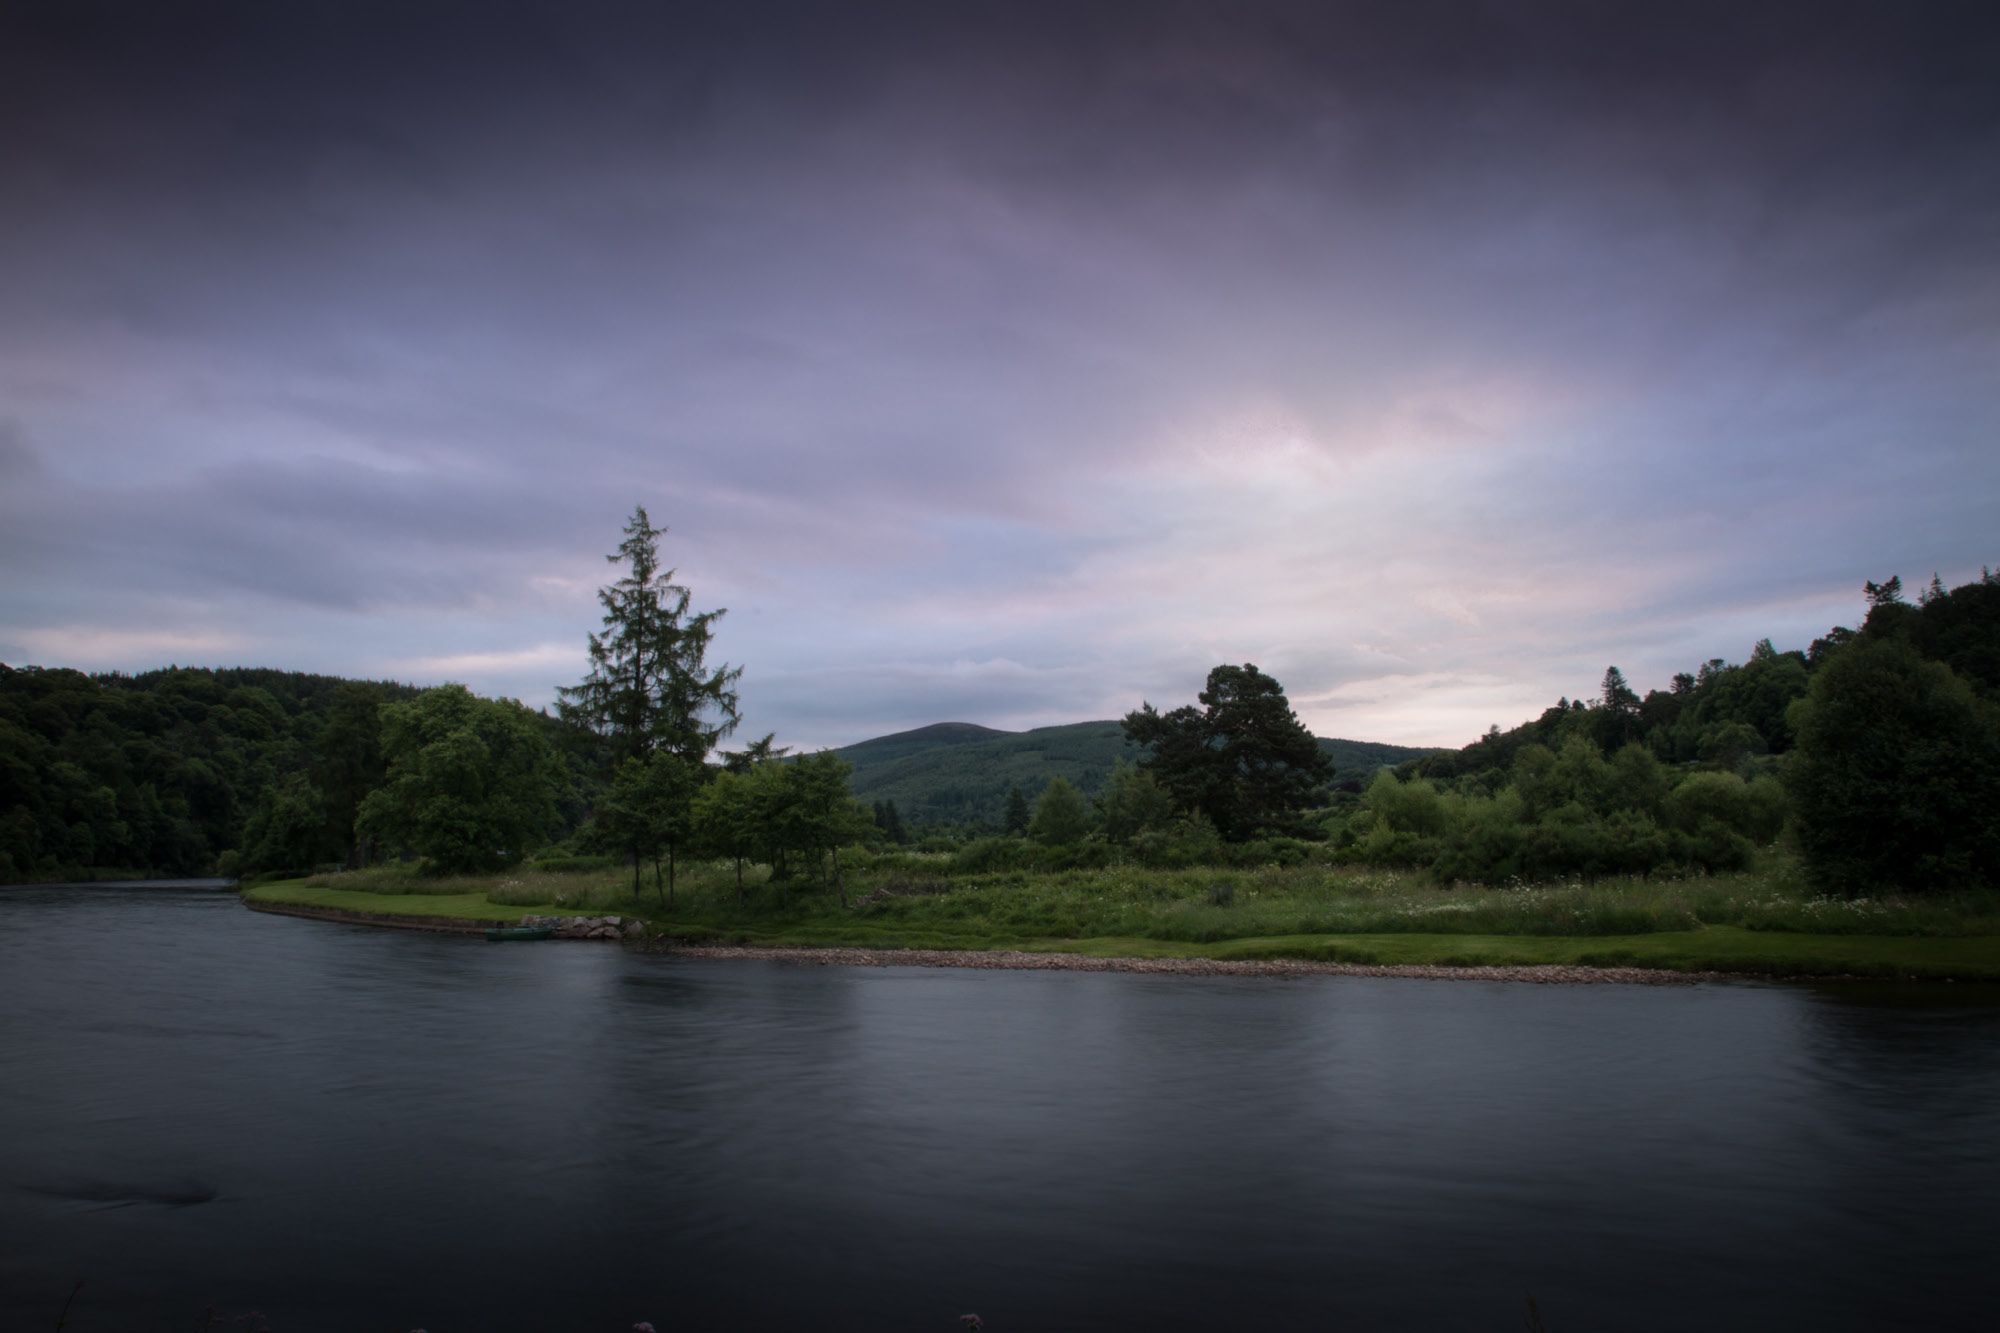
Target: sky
[[1008, 364]]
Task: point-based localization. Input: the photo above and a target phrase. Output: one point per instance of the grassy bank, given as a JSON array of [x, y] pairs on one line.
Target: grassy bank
[[1764, 921], [457, 904]]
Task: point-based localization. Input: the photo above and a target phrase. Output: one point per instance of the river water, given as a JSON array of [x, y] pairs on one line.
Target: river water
[[347, 1129]]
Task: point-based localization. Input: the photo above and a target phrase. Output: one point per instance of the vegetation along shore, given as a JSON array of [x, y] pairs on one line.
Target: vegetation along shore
[[1828, 811], [1762, 922]]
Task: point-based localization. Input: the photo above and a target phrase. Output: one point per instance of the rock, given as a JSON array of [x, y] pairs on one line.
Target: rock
[[635, 930]]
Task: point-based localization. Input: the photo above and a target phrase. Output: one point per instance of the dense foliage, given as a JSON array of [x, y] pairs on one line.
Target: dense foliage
[[1242, 760], [1572, 812], [166, 771], [471, 783], [1885, 737], [1876, 753], [1897, 778]]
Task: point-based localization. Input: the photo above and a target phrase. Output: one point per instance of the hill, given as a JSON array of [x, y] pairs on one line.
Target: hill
[[959, 773]]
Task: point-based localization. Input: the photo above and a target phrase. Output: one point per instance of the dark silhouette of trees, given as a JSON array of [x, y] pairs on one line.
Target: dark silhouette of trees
[[655, 702], [471, 784], [1242, 759], [1896, 783]]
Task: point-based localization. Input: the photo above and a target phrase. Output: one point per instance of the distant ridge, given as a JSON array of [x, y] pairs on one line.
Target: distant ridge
[[960, 772], [901, 743]]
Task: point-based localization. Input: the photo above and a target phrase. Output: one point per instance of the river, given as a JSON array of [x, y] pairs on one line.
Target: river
[[347, 1129]]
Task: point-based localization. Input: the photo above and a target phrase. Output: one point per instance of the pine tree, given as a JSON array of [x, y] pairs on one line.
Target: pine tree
[[1243, 759]]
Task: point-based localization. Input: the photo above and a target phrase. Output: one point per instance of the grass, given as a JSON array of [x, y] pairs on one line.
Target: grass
[[463, 905], [1763, 921], [1711, 949]]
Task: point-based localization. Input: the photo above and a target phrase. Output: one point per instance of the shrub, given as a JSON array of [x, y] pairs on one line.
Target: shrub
[[1061, 816], [557, 865], [986, 855], [1896, 778], [1192, 841]]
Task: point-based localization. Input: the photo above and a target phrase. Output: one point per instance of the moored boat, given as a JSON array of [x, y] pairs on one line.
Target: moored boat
[[500, 933]]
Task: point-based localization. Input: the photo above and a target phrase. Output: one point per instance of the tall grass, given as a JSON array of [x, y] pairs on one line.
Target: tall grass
[[912, 897]]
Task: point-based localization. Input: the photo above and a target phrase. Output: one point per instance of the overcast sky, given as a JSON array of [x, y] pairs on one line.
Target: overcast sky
[[1009, 364]]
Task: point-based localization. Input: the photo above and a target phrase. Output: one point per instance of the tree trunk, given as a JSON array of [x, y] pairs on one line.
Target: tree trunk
[[739, 881], [839, 884], [636, 863], [670, 875], [656, 882]]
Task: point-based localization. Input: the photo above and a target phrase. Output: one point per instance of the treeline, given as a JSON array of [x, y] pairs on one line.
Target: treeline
[[191, 771], [164, 771], [1879, 748], [1876, 752]]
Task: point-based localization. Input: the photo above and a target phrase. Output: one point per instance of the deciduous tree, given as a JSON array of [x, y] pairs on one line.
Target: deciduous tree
[[471, 782], [646, 812], [1896, 778]]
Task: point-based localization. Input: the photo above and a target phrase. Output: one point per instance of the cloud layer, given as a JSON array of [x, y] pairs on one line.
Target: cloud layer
[[1006, 364]]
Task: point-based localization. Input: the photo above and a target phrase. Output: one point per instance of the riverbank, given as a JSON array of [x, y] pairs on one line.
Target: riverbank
[[1704, 952], [1022, 960], [391, 920]]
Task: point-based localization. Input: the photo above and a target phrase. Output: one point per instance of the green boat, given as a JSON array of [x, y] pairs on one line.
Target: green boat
[[520, 933]]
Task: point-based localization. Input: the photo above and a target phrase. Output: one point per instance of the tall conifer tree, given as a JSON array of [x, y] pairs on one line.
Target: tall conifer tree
[[650, 688]]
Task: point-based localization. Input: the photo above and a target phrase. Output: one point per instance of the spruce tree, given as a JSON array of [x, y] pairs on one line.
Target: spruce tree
[[1016, 823], [650, 687]]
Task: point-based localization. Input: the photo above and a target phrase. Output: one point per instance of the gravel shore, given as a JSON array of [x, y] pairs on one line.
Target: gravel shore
[[1552, 975]]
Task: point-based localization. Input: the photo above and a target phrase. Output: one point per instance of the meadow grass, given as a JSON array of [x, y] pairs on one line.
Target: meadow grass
[[463, 905], [1711, 949], [1764, 920]]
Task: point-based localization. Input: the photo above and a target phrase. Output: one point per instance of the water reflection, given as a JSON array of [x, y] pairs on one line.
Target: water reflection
[[405, 1130]]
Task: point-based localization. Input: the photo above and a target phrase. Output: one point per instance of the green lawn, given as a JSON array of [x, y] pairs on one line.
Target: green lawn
[[470, 906]]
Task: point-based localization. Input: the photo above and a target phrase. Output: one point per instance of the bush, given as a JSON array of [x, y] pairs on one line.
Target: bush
[[1415, 806], [1727, 800], [558, 865], [1186, 842], [986, 855], [1896, 777], [1273, 852]]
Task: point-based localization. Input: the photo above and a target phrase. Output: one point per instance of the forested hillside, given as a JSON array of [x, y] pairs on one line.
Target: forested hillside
[[177, 771], [960, 775], [1880, 746]]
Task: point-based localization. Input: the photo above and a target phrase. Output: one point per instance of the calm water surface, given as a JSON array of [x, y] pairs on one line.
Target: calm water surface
[[349, 1129]]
